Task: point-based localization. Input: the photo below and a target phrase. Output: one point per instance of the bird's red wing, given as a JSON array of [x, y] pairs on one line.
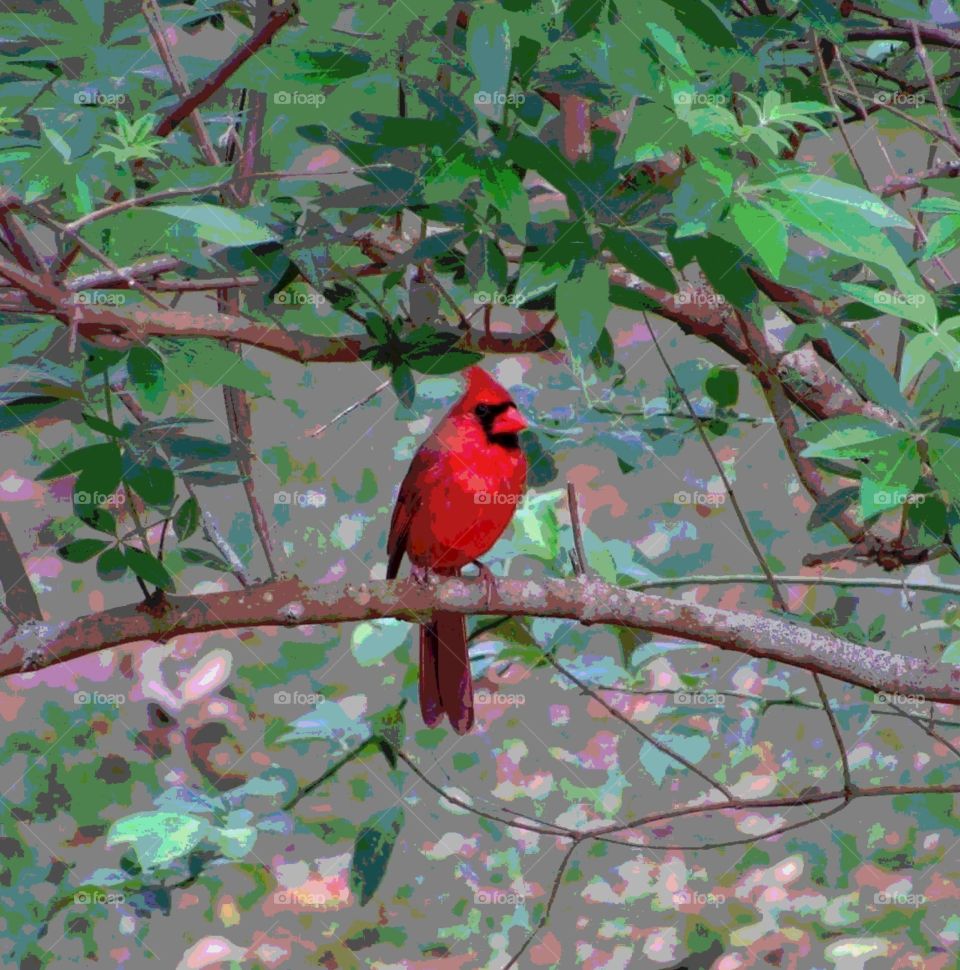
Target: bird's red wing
[[422, 470]]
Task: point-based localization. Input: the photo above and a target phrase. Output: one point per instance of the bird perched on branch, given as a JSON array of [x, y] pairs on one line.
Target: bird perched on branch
[[458, 496]]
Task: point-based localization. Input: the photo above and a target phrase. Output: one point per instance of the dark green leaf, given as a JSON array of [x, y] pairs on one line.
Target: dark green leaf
[[404, 385], [639, 258], [187, 519], [112, 565], [145, 367], [148, 568], [151, 478], [371, 852], [583, 306], [200, 557], [81, 550], [723, 386], [102, 460]]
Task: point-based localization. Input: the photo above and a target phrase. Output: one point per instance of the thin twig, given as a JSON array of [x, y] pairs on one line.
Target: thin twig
[[838, 737], [542, 922], [580, 556], [318, 430], [924, 59], [778, 597], [659, 745]]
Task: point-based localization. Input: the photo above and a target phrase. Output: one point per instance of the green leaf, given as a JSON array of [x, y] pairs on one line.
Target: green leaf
[[764, 229], [830, 197], [145, 367], [82, 549], [158, 838], [102, 460], [218, 224], [922, 348], [151, 478], [703, 19], [944, 453], [723, 386], [506, 192], [914, 304], [104, 427], [97, 518], [866, 372], [22, 411], [390, 724], [148, 568], [373, 641], [404, 386], [112, 565], [847, 436], [371, 852], [187, 519], [213, 364], [639, 258], [200, 557], [942, 237], [583, 306], [536, 529], [448, 362]]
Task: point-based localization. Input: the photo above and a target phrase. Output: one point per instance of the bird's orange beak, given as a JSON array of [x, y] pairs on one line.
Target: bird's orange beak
[[509, 422]]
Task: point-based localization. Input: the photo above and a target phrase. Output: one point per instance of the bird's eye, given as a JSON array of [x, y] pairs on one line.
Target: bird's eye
[[482, 410]]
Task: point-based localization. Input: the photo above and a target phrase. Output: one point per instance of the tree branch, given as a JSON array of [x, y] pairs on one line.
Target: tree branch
[[291, 603]]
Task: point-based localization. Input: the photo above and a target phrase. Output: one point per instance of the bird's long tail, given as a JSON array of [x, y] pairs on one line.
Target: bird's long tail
[[445, 682]]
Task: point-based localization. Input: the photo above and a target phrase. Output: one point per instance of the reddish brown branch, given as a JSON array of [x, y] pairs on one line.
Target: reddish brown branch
[[209, 86], [290, 602]]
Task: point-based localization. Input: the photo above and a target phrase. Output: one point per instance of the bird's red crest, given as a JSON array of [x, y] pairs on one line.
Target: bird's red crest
[[482, 388]]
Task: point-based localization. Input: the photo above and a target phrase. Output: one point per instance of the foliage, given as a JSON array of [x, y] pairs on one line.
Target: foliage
[[428, 186]]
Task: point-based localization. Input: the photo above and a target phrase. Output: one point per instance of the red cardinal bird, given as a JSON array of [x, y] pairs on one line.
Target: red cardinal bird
[[458, 496]]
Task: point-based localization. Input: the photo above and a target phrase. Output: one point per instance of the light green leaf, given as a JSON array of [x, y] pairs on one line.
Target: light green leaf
[[583, 306], [218, 224], [158, 837]]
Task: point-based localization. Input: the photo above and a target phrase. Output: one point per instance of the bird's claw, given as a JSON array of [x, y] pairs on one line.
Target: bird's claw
[[488, 579]]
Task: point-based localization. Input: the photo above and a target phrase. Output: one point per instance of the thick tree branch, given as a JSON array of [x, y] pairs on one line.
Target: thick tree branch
[[290, 602]]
